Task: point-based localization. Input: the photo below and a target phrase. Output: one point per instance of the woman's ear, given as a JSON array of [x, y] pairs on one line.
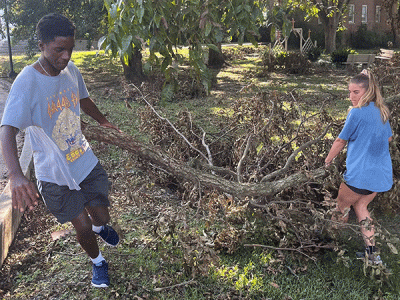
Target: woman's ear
[[41, 45]]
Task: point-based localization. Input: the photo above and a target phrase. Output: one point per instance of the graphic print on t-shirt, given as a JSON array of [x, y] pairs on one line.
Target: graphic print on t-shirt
[[67, 132]]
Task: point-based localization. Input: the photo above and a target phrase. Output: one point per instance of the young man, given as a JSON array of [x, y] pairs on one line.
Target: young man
[[45, 99]]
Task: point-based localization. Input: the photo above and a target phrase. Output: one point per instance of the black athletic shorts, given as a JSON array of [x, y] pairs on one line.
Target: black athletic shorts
[[359, 191], [66, 204]]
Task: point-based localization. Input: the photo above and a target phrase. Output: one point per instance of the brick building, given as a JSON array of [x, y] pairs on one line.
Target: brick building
[[368, 12]]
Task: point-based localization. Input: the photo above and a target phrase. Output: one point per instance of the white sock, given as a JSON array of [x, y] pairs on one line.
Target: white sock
[[98, 259], [97, 229]]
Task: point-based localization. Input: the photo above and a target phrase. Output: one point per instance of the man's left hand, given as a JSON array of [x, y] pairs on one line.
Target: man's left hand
[[110, 125]]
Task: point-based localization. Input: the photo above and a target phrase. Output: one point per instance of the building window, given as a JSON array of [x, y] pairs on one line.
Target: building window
[[351, 13], [364, 13], [378, 14]]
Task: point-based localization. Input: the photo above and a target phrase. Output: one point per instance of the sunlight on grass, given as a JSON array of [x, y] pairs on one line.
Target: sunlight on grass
[[218, 111]]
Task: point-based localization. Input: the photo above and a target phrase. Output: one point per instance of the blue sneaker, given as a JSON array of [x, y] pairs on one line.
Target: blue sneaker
[[100, 275], [109, 236]]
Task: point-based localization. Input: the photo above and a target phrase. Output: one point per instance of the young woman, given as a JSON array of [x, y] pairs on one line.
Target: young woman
[[368, 165]]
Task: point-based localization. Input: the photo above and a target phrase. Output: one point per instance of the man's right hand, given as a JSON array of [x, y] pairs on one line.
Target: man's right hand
[[24, 193]]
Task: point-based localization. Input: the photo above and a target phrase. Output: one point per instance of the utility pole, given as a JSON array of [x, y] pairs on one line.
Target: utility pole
[[12, 74]]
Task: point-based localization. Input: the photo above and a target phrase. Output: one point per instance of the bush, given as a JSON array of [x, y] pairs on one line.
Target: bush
[[367, 39], [314, 53], [290, 62], [340, 55]]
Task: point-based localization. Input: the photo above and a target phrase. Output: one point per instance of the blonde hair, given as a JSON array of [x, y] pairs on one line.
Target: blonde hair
[[367, 80]]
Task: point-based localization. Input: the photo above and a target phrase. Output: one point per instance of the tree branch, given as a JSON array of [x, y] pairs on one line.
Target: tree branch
[[172, 125], [184, 173], [293, 156], [240, 164]]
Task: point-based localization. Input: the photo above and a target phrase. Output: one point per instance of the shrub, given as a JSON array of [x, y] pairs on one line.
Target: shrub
[[367, 39], [314, 53], [340, 55], [290, 62]]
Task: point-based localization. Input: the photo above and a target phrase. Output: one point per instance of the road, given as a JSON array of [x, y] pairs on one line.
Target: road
[[4, 89]]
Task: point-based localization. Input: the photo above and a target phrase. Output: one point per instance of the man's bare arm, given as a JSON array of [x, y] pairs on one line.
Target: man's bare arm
[[23, 191], [90, 108]]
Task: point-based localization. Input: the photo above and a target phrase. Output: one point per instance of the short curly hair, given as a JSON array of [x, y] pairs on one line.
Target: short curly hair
[[53, 25]]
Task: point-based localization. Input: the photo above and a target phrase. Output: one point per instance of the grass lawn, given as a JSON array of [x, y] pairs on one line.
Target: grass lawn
[[154, 261]]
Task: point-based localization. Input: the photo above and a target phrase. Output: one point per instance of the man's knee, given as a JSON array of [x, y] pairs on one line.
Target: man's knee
[[99, 215], [82, 224]]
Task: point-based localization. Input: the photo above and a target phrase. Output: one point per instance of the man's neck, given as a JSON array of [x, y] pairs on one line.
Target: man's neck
[[46, 68]]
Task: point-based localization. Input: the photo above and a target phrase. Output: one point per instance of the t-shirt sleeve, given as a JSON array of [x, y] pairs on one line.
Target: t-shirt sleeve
[[349, 131], [17, 111]]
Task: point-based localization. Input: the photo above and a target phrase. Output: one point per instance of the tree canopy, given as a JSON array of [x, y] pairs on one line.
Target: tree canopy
[[164, 26], [88, 15]]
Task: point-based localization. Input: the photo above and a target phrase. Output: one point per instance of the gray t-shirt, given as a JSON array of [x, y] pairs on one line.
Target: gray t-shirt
[[49, 108]]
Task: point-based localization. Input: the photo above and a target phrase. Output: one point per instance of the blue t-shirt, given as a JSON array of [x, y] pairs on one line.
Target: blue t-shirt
[[368, 162], [49, 109]]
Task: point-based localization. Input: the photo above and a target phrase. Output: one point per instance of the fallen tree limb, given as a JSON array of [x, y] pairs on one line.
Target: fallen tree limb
[[184, 173]]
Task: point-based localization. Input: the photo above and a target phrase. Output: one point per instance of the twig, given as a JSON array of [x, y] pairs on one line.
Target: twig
[[289, 142], [172, 125], [199, 203], [293, 156], [174, 286], [291, 249], [202, 139], [240, 164], [297, 106], [70, 254]]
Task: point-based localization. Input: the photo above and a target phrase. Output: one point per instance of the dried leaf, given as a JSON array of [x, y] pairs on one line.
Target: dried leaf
[[392, 248], [274, 285]]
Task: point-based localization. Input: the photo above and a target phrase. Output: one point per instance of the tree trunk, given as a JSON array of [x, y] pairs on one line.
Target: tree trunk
[[184, 173], [330, 25], [133, 71], [216, 59], [394, 32]]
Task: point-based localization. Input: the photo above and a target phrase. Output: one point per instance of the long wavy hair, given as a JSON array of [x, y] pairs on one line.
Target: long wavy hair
[[373, 94]]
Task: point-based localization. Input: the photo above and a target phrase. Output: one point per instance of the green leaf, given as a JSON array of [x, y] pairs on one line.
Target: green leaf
[[107, 4], [125, 43], [113, 38], [214, 47], [113, 11], [141, 14], [208, 29], [166, 62], [126, 59], [259, 147], [100, 42]]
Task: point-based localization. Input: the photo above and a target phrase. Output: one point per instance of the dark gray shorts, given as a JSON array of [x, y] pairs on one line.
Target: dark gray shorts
[[66, 204], [359, 191]]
